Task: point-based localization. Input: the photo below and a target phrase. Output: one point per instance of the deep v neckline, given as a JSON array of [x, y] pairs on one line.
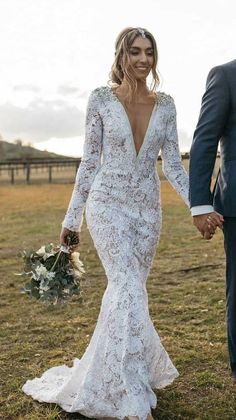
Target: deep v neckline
[[137, 154]]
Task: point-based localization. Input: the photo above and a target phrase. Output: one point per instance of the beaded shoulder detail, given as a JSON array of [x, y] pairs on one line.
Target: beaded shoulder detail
[[105, 93]]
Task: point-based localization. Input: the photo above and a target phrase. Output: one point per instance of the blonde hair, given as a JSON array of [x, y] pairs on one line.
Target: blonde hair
[[121, 69]]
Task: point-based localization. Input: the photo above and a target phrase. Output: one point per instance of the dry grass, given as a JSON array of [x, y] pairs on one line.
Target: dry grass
[[186, 301]]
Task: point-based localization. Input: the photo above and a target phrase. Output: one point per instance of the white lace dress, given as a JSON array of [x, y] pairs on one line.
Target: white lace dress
[[125, 359]]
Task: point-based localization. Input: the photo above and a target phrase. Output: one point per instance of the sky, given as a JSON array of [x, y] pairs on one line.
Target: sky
[[55, 52]]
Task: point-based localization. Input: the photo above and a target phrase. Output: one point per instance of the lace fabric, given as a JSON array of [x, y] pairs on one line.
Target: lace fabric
[[120, 192]]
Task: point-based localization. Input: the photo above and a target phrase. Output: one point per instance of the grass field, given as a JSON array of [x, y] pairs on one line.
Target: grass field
[[186, 300]]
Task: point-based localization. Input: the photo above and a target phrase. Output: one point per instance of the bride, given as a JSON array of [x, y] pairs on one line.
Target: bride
[[127, 125]]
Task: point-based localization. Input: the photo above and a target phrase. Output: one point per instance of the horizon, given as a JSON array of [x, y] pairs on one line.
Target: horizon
[[18, 142]]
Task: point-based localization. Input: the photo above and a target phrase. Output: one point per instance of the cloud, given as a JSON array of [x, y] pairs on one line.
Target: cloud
[[185, 140], [72, 90], [26, 88], [72, 146], [41, 120]]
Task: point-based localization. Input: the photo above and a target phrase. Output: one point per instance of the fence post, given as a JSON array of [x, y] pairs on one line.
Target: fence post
[[12, 176], [28, 172], [50, 174]]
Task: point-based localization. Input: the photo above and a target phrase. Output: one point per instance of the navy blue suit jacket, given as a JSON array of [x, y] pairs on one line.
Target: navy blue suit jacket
[[217, 123]]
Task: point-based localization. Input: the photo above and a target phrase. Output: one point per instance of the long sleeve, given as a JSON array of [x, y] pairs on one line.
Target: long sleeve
[[89, 166], [171, 159], [210, 127]]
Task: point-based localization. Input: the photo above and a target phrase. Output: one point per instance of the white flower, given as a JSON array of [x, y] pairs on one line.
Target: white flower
[[50, 275], [42, 271], [43, 288], [77, 263], [78, 273], [41, 251], [75, 257], [45, 282]]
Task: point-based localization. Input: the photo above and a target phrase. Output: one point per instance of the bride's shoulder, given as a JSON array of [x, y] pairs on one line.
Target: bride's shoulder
[[167, 103], [98, 97], [164, 99], [101, 92]]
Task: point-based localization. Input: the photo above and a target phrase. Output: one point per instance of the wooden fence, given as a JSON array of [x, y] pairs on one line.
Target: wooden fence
[[36, 170], [58, 170]]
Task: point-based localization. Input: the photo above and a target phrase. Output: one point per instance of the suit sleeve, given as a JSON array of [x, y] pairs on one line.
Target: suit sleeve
[[210, 127]]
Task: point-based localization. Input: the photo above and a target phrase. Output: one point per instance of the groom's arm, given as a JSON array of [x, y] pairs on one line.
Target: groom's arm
[[210, 127]]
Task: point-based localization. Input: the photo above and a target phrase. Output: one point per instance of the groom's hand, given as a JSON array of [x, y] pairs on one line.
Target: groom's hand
[[207, 223]]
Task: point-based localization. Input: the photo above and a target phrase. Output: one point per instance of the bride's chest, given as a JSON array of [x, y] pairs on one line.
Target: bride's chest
[[120, 122], [139, 118]]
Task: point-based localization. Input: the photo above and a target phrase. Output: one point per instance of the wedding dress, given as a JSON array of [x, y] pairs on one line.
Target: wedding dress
[[120, 189]]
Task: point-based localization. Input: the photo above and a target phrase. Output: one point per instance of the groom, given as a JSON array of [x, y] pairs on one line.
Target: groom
[[217, 124]]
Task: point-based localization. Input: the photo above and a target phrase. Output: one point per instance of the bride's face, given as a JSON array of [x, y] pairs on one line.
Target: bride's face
[[141, 57]]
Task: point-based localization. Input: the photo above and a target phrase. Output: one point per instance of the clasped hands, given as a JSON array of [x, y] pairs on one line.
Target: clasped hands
[[208, 223]]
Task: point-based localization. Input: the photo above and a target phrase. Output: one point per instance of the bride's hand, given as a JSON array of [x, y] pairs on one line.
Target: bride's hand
[[64, 239]]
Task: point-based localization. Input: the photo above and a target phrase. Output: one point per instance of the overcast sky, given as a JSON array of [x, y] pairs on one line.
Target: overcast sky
[[54, 52]]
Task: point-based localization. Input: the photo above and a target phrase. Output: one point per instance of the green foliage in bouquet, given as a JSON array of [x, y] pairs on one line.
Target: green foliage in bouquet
[[54, 275]]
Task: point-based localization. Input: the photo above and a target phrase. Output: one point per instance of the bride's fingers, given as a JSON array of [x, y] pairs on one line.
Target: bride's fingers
[[212, 224], [210, 227], [216, 218], [208, 235], [212, 221]]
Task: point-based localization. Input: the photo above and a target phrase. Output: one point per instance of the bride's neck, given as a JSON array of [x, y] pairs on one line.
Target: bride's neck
[[142, 89]]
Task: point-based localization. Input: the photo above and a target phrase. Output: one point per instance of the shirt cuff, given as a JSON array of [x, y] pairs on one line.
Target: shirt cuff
[[198, 210]]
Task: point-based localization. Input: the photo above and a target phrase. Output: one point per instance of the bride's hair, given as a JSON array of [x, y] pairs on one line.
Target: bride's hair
[[121, 66]]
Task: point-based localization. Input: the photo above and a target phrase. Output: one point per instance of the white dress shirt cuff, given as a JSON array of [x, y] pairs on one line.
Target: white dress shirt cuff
[[197, 210]]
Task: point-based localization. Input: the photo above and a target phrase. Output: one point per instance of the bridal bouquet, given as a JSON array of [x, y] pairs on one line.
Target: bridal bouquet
[[54, 274]]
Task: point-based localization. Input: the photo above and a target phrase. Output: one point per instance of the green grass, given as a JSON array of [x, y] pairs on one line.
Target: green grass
[[186, 290]]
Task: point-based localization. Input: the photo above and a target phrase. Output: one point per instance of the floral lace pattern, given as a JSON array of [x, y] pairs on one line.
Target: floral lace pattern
[[120, 191]]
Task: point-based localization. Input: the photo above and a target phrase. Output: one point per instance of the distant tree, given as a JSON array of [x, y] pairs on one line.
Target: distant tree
[[19, 142], [1, 148]]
